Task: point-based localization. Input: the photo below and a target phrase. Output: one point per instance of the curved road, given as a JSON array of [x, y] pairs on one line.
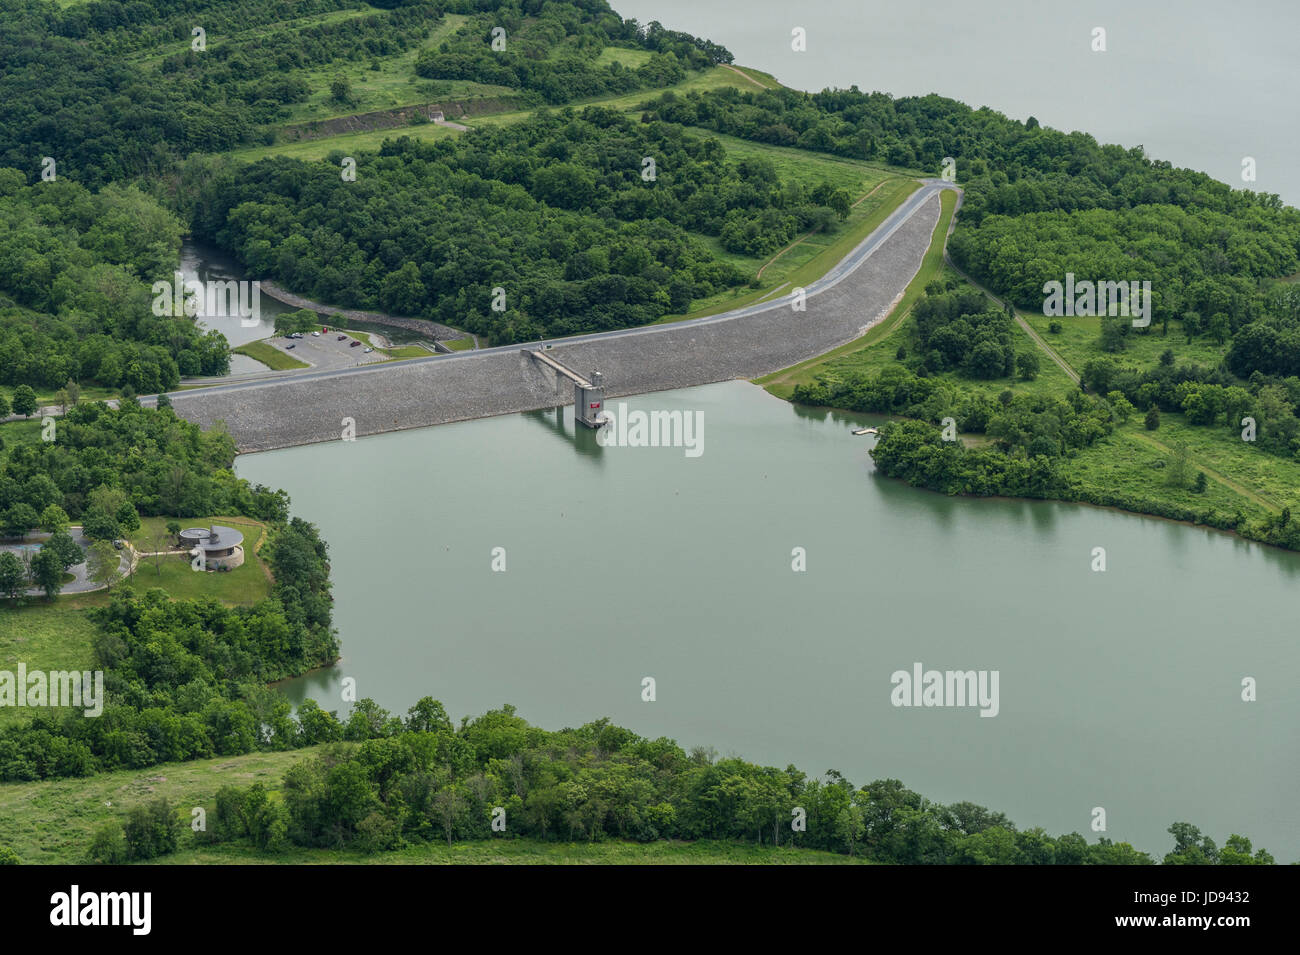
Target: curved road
[[307, 407]]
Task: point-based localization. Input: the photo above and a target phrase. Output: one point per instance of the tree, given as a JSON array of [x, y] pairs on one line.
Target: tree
[[8, 856], [849, 826], [1153, 418], [174, 529], [104, 564], [127, 517], [70, 554], [4, 406], [303, 320], [54, 519], [13, 576], [47, 571], [97, 525], [1176, 467], [151, 830], [1120, 405], [24, 402], [107, 845], [164, 400], [19, 519], [1027, 364], [1201, 483], [340, 89], [1113, 333]]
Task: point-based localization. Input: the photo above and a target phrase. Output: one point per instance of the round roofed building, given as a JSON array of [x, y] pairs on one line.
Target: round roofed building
[[220, 546]]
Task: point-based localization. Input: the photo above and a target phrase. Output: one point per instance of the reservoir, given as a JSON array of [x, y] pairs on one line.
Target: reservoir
[[514, 560]]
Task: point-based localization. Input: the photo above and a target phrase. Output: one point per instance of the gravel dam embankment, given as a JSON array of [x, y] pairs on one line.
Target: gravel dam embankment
[[310, 408]]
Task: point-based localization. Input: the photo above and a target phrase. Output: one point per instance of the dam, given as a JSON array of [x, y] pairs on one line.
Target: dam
[[311, 407]]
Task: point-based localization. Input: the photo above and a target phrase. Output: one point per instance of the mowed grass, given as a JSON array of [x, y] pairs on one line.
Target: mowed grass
[[43, 636], [246, 584], [714, 78], [52, 822], [629, 58], [269, 355]]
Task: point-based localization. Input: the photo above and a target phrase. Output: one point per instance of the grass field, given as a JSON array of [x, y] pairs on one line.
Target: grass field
[[52, 822], [246, 584], [1079, 341], [44, 637], [269, 355]]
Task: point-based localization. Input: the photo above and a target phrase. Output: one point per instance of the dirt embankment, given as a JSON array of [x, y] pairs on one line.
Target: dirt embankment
[[392, 118], [433, 330]]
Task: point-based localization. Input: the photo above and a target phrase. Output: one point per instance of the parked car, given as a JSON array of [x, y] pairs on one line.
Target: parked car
[[368, 351], [315, 334], [117, 545], [296, 335], [342, 338], [290, 345], [353, 344]]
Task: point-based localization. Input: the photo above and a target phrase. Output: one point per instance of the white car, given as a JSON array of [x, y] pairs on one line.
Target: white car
[[315, 334], [368, 351]]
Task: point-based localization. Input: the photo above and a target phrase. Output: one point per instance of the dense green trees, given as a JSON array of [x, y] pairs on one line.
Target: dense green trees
[[108, 466], [553, 211], [76, 268], [404, 782]]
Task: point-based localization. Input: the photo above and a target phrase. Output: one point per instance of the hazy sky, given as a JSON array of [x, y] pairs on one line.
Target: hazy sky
[[1199, 83]]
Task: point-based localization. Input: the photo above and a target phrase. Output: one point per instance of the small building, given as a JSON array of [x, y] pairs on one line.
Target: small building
[[219, 545]]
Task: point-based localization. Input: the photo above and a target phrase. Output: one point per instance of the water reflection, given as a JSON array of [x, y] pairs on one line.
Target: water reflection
[[559, 422]]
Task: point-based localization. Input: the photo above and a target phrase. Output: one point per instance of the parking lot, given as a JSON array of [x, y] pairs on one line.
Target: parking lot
[[326, 351]]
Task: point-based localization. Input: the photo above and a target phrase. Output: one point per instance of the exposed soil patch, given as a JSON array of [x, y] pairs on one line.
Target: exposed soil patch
[[392, 118]]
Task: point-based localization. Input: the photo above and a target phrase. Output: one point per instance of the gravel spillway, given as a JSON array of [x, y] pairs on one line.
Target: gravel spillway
[[308, 408]]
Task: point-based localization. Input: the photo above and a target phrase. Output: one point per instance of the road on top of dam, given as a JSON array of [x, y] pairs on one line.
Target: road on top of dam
[[313, 406]]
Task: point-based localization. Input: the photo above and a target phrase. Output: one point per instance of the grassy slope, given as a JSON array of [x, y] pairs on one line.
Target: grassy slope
[[272, 357], [859, 353], [52, 822]]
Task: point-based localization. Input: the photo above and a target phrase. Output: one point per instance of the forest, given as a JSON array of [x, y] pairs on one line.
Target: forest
[[420, 780], [75, 272], [554, 210]]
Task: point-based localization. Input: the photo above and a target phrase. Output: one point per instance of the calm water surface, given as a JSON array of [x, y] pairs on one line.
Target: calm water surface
[[1118, 689]]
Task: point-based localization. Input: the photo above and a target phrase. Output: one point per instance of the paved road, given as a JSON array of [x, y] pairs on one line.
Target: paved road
[[311, 405]]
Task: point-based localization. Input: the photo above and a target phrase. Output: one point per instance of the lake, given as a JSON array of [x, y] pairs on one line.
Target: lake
[[1200, 84], [1118, 689]]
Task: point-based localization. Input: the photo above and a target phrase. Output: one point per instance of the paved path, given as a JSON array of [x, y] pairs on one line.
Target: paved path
[[312, 406]]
